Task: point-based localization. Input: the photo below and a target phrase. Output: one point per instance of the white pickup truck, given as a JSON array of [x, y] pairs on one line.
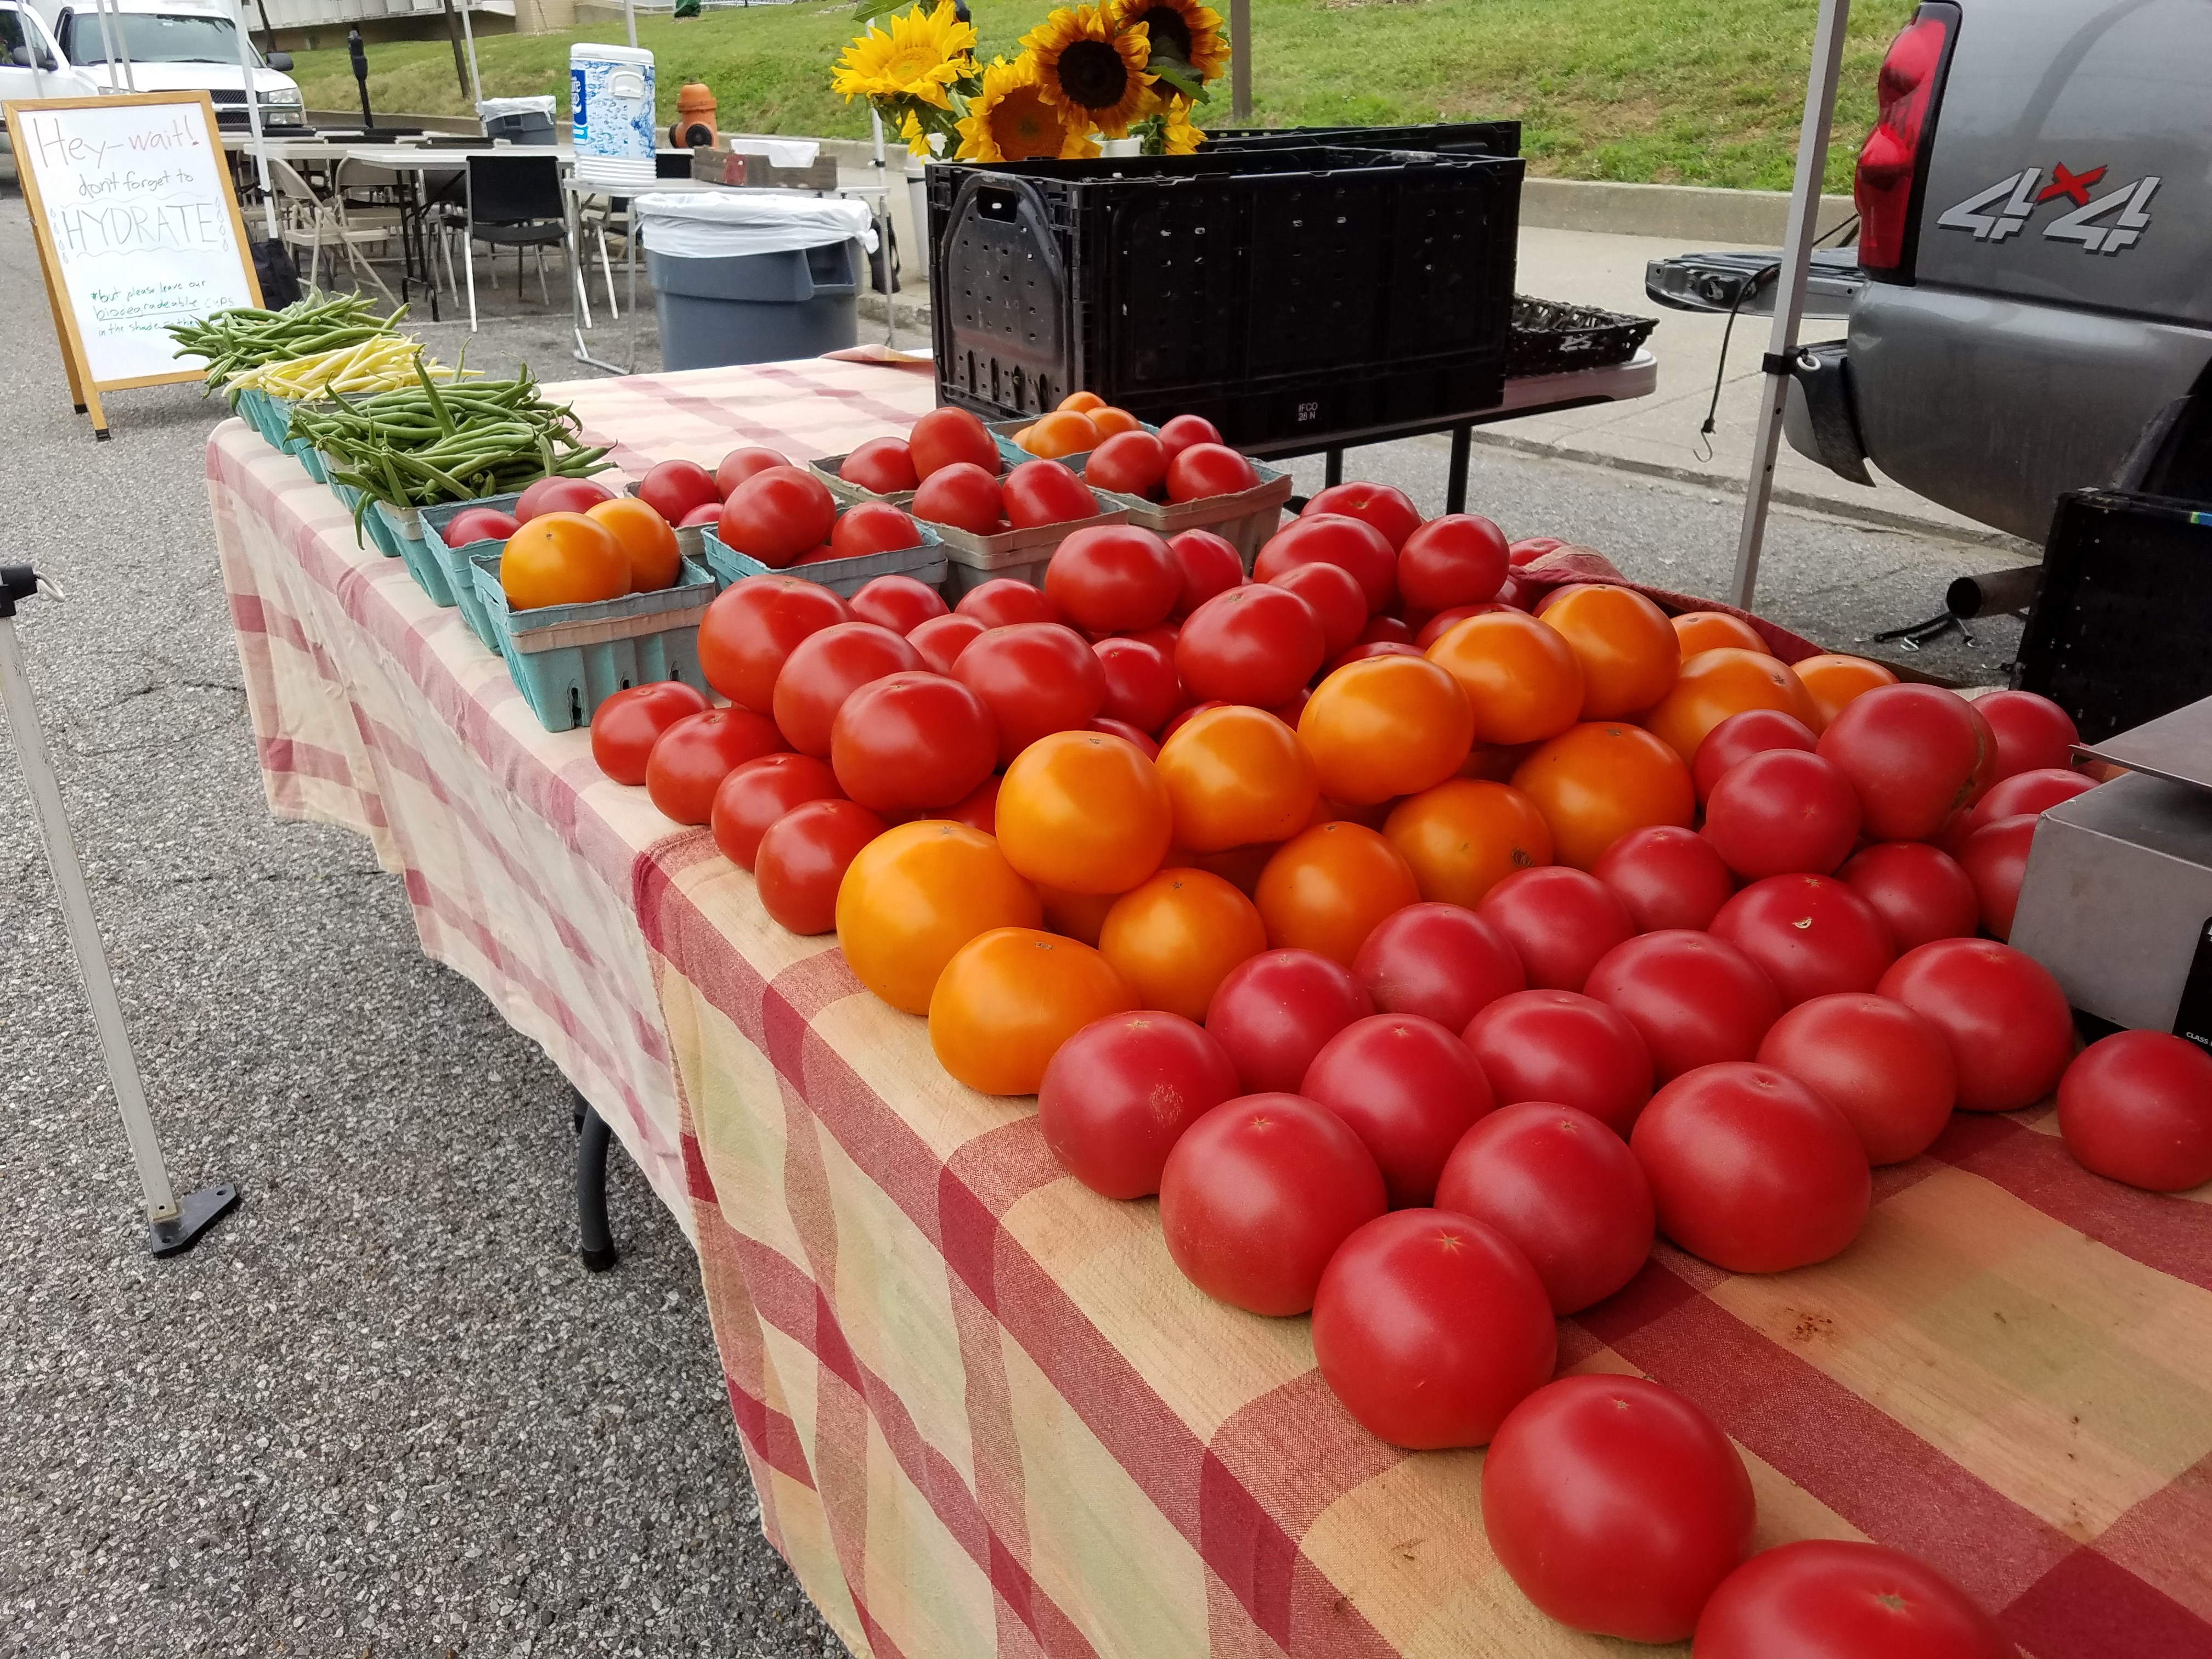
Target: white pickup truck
[[175, 46]]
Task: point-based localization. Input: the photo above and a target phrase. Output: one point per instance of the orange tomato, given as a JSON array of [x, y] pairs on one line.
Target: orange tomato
[[1176, 938], [1520, 679], [1240, 866], [1714, 684], [1084, 812], [914, 895], [1063, 432], [1010, 998], [563, 558], [1831, 682], [1236, 776], [1712, 630], [1496, 761], [1596, 782], [1327, 887], [1627, 651], [1079, 916], [648, 540], [1464, 836], [1083, 402], [1109, 420], [1384, 727]]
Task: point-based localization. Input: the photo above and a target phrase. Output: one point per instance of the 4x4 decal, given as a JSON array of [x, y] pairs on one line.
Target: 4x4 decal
[[2003, 209]]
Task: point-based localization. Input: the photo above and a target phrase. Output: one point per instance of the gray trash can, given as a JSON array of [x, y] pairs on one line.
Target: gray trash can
[[754, 277], [518, 120]]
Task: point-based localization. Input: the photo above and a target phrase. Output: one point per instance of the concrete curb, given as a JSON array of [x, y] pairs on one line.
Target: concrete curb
[[1685, 212]]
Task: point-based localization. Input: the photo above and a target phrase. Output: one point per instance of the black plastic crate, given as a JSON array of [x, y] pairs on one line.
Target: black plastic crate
[[1552, 338], [1434, 138], [1287, 295], [2118, 633]]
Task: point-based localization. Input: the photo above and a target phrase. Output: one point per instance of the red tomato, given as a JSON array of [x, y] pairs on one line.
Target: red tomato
[[1919, 891], [1781, 812], [1693, 999], [1129, 464], [1045, 492], [558, 495], [1332, 538], [1666, 877], [1362, 653], [1994, 860], [1740, 737], [672, 488], [946, 436], [1916, 754], [1127, 733], [1558, 1046], [803, 858], [898, 603], [1529, 549], [1563, 1189], [1184, 430], [479, 524], [700, 517], [1390, 511], [1112, 578], [741, 464], [1258, 1194], [1834, 1598], [1141, 687], [691, 757], [778, 515], [1253, 644], [1439, 961], [1002, 602], [2029, 793], [1118, 1095], [1560, 920], [827, 667], [1210, 564], [1883, 1066], [2137, 1106], [1383, 628], [754, 625], [2032, 732], [626, 726], [1616, 1506], [1752, 1169], [1197, 471], [884, 466], [757, 792], [873, 527], [940, 641], [1409, 1089], [1035, 679], [1336, 597], [963, 496], [980, 810], [1444, 621], [1459, 559], [1431, 1328], [1274, 1014], [2009, 1030], [1812, 935], [911, 743]]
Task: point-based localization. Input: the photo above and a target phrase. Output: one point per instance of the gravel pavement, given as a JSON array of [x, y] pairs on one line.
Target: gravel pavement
[[381, 1410]]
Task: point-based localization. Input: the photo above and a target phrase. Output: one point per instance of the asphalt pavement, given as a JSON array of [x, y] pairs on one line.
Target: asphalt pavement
[[382, 1410]]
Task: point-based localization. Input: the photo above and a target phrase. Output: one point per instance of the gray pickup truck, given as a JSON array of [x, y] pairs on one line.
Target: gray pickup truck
[[2030, 296]]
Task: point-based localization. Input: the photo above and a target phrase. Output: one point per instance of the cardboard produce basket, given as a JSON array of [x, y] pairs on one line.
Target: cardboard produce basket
[[925, 561], [1246, 518], [567, 660]]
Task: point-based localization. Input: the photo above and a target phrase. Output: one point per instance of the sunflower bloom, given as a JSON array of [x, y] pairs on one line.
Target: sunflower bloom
[[1090, 67], [1010, 119], [924, 52], [1181, 29], [1180, 135]]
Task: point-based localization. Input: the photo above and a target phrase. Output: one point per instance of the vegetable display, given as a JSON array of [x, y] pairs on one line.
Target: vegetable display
[[383, 362], [246, 337]]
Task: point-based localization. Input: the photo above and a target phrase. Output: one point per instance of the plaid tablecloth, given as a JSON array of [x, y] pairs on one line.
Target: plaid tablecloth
[[985, 1414]]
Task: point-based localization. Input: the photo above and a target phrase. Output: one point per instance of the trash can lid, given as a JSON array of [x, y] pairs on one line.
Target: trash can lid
[[491, 109], [734, 223]]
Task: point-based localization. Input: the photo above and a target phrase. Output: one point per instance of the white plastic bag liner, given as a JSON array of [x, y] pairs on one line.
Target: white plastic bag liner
[[729, 224], [492, 108], [780, 152]]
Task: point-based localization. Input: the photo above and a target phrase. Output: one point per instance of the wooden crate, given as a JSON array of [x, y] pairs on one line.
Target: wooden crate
[[725, 167]]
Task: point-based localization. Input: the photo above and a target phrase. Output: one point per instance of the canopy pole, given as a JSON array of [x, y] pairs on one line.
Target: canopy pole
[[1789, 290], [469, 37], [123, 45], [253, 122], [1240, 60], [629, 21]]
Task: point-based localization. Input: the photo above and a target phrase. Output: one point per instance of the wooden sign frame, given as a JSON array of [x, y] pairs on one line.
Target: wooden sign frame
[[84, 390]]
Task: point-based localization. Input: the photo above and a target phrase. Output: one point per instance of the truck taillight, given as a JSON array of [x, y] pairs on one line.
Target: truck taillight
[[1891, 160]]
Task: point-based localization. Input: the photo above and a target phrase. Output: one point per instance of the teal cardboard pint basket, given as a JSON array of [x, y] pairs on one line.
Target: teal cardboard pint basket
[[567, 660]]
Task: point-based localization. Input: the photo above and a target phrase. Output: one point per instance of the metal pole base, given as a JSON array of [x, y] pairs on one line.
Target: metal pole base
[[196, 1213], [595, 1243]]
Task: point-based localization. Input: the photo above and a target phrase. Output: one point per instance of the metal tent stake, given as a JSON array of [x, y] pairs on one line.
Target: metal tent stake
[[170, 1226]]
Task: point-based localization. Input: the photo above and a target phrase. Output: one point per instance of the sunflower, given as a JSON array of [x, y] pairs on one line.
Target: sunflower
[[924, 52], [1182, 30], [1011, 120], [1179, 135], [1087, 63]]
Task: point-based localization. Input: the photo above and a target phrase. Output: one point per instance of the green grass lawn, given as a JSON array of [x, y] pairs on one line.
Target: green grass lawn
[[1705, 92]]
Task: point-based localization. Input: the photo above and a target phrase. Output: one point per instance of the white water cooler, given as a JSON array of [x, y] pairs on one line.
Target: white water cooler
[[611, 104]]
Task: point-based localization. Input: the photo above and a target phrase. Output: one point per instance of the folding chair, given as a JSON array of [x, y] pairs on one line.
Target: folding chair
[[514, 200], [316, 222]]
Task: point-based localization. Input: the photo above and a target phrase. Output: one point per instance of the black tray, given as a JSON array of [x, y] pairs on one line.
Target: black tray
[[1550, 337]]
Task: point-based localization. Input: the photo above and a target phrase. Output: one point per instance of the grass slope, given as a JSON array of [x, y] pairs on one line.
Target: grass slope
[[1704, 92]]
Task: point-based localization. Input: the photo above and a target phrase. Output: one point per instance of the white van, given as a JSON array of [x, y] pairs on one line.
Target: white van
[[176, 45], [31, 63]]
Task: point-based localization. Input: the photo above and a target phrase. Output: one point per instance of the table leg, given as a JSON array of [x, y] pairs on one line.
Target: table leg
[[1332, 473], [582, 353], [1462, 440], [595, 1244]]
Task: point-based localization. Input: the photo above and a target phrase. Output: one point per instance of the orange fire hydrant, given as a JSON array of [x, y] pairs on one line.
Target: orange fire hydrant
[[694, 117]]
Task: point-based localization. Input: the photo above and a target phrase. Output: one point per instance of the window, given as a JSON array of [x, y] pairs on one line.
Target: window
[[153, 38]]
